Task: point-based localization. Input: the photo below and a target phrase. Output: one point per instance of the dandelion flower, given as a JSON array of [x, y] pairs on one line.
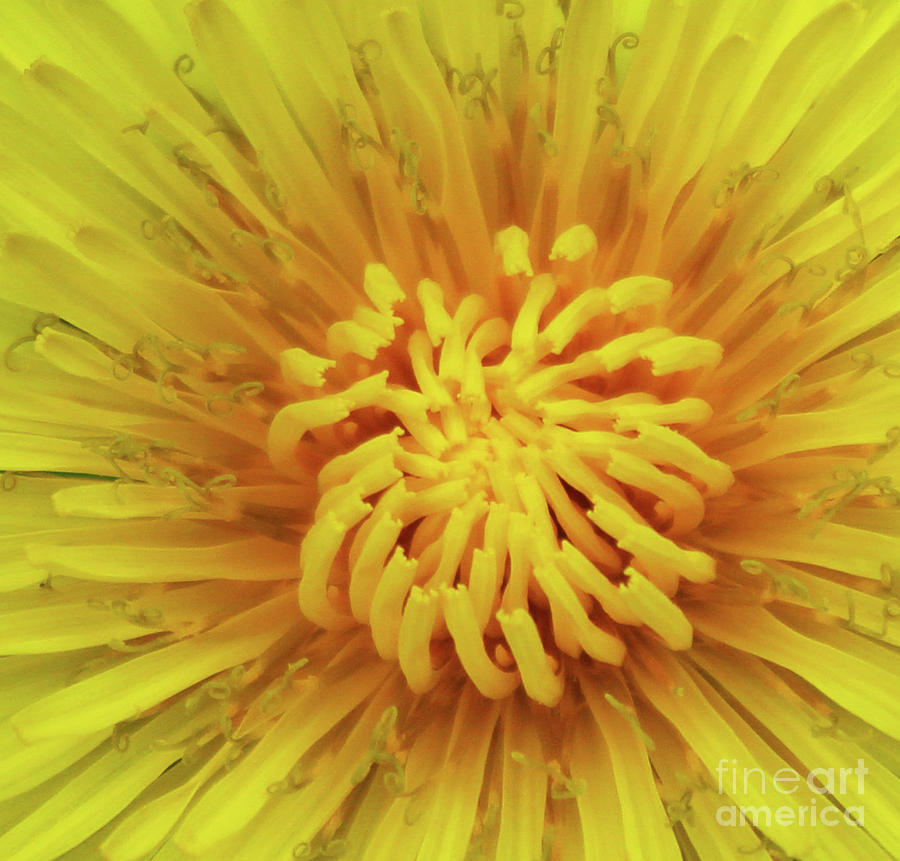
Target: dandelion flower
[[454, 430]]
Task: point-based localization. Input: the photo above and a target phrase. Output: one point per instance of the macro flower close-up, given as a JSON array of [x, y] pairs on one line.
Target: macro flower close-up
[[449, 430]]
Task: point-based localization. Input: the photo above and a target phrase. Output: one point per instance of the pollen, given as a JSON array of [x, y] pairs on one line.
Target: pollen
[[503, 490]]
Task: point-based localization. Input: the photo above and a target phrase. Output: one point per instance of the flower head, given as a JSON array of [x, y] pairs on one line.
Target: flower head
[[449, 430]]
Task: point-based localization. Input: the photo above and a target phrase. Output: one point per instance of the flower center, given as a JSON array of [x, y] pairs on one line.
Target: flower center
[[506, 485]]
